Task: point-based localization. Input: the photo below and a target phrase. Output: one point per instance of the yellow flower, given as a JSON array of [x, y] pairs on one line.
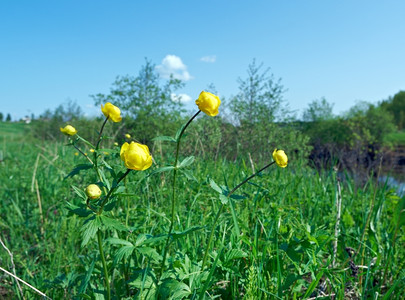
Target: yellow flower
[[92, 150], [112, 112], [280, 157], [208, 103], [93, 191], [115, 144], [68, 130], [76, 153], [136, 156], [128, 136]]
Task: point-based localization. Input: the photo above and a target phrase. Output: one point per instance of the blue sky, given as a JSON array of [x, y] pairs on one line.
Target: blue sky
[[345, 51]]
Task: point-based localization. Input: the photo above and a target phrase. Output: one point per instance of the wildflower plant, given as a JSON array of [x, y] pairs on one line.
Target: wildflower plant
[[99, 199]]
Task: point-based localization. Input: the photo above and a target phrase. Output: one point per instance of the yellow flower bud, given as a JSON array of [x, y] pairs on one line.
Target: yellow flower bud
[[208, 103], [112, 112], [92, 150], [93, 191], [68, 130], [136, 156], [76, 153], [115, 144], [128, 136], [280, 157]]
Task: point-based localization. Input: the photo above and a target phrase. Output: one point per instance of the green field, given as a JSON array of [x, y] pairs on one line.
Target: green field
[[273, 240]]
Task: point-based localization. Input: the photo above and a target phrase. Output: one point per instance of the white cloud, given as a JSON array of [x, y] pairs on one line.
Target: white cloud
[[173, 65], [181, 98], [209, 58]]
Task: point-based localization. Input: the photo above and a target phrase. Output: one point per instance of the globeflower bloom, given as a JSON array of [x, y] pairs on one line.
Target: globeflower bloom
[[280, 158], [208, 103], [112, 112], [136, 156], [68, 130], [93, 191]]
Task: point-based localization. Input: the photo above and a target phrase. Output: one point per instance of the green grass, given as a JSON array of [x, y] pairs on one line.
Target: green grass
[[283, 248]]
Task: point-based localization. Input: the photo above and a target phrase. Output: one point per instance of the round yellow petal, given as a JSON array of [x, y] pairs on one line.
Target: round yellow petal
[[136, 156], [68, 130], [112, 112], [208, 103], [93, 191], [280, 158]]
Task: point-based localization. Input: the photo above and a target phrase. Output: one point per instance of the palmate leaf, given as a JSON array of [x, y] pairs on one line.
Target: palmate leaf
[[77, 210], [173, 289], [77, 170], [151, 253], [117, 241], [90, 228], [110, 223], [123, 252]]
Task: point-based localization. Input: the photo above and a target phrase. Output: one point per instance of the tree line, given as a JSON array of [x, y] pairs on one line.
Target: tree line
[[252, 122]]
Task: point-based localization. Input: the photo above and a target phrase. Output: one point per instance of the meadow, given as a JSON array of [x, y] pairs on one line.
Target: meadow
[[288, 233]]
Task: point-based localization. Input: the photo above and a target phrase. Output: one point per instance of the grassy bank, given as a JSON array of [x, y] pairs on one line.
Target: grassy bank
[[274, 240]]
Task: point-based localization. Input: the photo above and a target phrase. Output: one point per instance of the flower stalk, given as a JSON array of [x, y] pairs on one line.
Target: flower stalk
[[222, 206], [174, 192]]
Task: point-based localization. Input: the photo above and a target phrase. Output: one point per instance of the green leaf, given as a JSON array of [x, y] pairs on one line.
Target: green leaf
[[186, 162], [105, 180], [77, 170], [215, 186], [117, 241], [110, 223], [86, 279], [224, 199], [234, 254], [80, 211], [79, 192], [123, 252], [177, 136], [85, 141], [188, 175], [177, 235], [150, 252], [162, 169], [238, 197], [164, 138], [313, 284], [89, 229], [173, 289]]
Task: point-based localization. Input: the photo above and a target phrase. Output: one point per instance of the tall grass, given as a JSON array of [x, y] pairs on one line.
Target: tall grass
[[282, 250]]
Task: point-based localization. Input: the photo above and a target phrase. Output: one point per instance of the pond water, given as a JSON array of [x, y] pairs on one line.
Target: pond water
[[394, 183]]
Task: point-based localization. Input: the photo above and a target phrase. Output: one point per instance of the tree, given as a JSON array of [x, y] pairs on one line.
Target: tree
[[396, 107], [8, 118], [257, 107], [318, 110], [260, 97], [1, 117], [145, 99]]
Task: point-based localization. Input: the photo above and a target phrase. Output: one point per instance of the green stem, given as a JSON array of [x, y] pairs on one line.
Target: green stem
[[174, 192], [101, 131], [82, 153], [100, 248], [111, 191], [220, 210]]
